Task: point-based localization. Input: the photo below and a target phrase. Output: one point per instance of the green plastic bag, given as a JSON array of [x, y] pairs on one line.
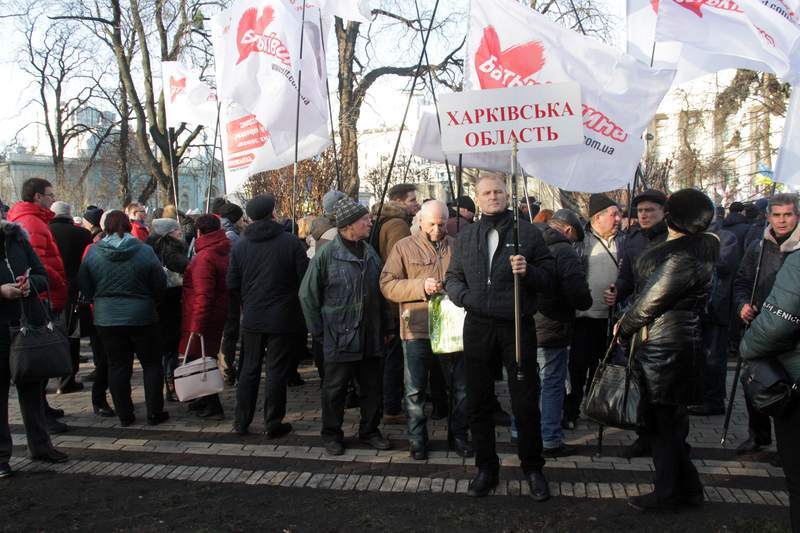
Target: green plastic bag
[[445, 325]]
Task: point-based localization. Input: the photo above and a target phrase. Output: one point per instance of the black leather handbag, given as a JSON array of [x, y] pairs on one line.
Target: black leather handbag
[[768, 386], [615, 398], [38, 353]]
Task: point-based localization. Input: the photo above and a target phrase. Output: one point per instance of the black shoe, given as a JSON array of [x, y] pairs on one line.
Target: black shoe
[[73, 386], [296, 381], [230, 377], [49, 412], [240, 430], [483, 484], [51, 456], [561, 451], [775, 460], [103, 410], [704, 410], [378, 442], [198, 404], [751, 445], [334, 447], [54, 427], [540, 489], [696, 498], [5, 470], [462, 447], [83, 358], [418, 452], [649, 503], [501, 418], [279, 430], [158, 418], [169, 390], [637, 449], [125, 422], [212, 410], [91, 376]]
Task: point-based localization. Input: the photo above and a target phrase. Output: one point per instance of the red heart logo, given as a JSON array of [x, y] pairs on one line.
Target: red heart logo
[[654, 4], [176, 87], [513, 67], [250, 35], [692, 5]]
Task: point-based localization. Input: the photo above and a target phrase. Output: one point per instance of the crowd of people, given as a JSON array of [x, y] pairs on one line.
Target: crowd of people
[[674, 281]]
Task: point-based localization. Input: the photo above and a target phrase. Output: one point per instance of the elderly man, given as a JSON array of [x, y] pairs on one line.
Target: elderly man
[[481, 279], [345, 312], [414, 272]]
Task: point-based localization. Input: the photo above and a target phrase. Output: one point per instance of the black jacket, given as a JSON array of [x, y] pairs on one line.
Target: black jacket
[[720, 302], [174, 254], [739, 225], [15, 248], [674, 284], [266, 267], [72, 242], [491, 294], [557, 307], [636, 242], [771, 263]]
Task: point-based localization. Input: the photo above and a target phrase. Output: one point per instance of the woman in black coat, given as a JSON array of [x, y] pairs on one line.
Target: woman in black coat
[[18, 260], [663, 323]]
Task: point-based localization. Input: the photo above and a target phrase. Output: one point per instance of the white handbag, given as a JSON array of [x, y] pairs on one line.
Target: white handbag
[[197, 378]]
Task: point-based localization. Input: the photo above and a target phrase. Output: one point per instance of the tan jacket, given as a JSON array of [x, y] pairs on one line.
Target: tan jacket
[[412, 260]]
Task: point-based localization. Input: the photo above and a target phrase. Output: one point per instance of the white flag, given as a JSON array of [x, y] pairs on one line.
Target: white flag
[[761, 35], [641, 44], [787, 169], [511, 45], [186, 97], [257, 49]]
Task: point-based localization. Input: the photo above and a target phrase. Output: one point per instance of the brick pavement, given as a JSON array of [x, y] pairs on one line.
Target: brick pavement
[[191, 449]]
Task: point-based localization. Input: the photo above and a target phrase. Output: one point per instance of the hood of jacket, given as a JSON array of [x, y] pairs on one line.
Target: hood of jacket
[[21, 209], [13, 231], [216, 241], [391, 209], [263, 230], [733, 219], [791, 244], [119, 249]]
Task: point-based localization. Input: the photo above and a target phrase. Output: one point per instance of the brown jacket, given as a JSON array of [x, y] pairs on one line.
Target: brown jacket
[[403, 280], [393, 226]]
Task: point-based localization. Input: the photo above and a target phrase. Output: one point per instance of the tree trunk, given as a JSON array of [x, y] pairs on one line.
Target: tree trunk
[[349, 109]]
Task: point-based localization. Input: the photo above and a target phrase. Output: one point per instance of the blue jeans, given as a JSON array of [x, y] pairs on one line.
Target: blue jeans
[[553, 373], [419, 360]]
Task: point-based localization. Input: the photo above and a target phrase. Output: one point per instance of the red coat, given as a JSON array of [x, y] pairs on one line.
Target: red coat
[[139, 230], [36, 222], [205, 294]]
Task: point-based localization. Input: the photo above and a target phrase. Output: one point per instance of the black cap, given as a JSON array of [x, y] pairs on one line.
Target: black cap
[[599, 202], [570, 217], [260, 207], [92, 216], [689, 211], [465, 202], [736, 207], [650, 195], [230, 211]]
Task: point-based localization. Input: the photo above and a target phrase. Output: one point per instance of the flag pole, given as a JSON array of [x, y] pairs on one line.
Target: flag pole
[[173, 172], [330, 109], [213, 160], [459, 183], [517, 294], [528, 198], [297, 119], [405, 116]]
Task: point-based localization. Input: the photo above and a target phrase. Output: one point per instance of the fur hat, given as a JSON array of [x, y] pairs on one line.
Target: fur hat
[[260, 207], [599, 202], [689, 211], [348, 211], [231, 211]]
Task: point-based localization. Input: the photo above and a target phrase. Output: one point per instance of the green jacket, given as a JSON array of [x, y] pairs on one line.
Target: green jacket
[[123, 277], [342, 303], [776, 330]]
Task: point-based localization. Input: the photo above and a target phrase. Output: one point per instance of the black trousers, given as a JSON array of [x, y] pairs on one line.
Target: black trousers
[[676, 477], [485, 342], [787, 435], [230, 333], [368, 372], [120, 343], [589, 344], [100, 385], [759, 424], [393, 375], [31, 406], [75, 357], [280, 361]]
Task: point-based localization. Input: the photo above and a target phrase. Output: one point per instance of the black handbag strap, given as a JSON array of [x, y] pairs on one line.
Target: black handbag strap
[[23, 318]]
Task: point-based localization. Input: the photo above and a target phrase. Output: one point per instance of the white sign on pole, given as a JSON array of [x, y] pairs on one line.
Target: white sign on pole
[[490, 120]]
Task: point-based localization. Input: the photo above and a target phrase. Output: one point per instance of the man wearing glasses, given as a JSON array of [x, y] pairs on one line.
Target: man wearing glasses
[[137, 214]]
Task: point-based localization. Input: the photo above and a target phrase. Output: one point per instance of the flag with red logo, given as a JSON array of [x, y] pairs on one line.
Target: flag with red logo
[[761, 35], [186, 97], [511, 45], [787, 169], [257, 52], [641, 33]]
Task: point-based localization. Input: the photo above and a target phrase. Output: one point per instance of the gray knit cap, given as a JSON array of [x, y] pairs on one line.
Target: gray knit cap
[[348, 211], [163, 226]]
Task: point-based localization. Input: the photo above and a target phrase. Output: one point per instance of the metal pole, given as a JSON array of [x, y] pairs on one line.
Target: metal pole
[[459, 171], [330, 109], [213, 160], [517, 295], [297, 118], [405, 116], [173, 173], [527, 198]]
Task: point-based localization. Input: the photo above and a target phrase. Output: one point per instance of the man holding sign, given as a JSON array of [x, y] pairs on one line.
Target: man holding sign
[[481, 279]]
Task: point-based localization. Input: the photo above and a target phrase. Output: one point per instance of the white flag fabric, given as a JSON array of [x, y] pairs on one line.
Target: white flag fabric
[[511, 45], [761, 35], [641, 18], [354, 10], [257, 51], [186, 97], [787, 170]]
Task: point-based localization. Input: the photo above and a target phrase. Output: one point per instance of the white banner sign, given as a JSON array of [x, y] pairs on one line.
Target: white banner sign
[[491, 120], [788, 168]]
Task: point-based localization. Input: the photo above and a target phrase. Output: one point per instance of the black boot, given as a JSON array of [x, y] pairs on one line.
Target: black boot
[[169, 386], [213, 408], [483, 484]]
